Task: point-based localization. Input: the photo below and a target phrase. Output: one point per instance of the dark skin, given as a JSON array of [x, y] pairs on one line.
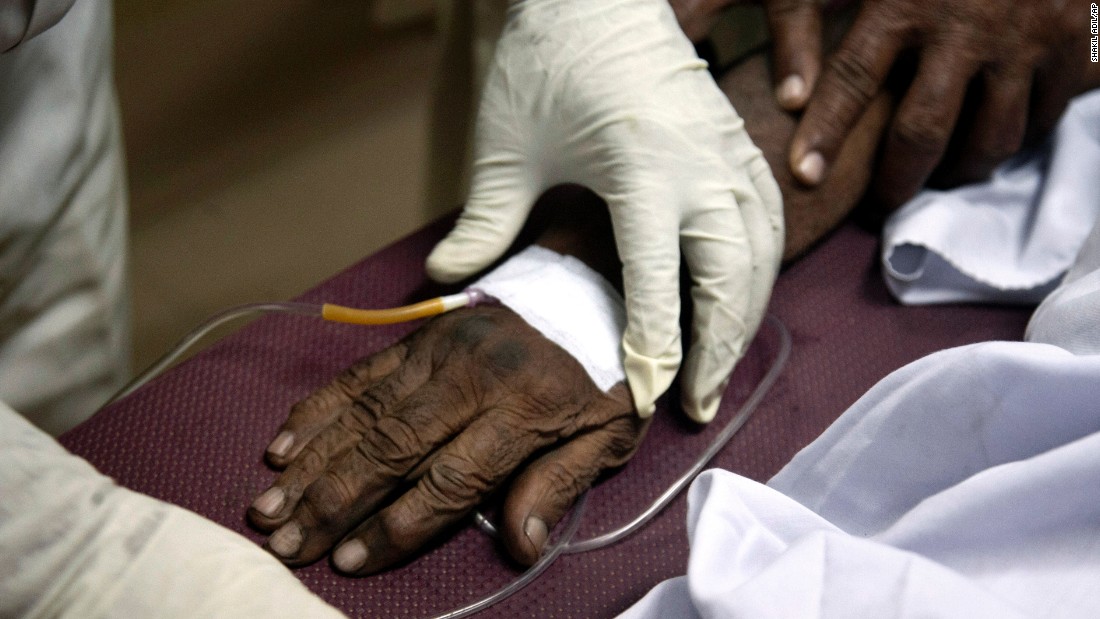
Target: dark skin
[[976, 80], [796, 30], [981, 76], [407, 442], [452, 411], [809, 212]]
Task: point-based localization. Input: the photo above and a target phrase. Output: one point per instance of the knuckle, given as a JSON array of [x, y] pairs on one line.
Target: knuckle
[[458, 393], [369, 404], [621, 440], [312, 459], [329, 498], [853, 76], [921, 132], [454, 482], [564, 483], [305, 408], [392, 445], [348, 383], [398, 528], [306, 466], [352, 423], [368, 370], [554, 406], [313, 408]]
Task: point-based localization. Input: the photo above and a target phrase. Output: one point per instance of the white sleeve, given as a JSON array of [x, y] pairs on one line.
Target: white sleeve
[[22, 20], [75, 544]]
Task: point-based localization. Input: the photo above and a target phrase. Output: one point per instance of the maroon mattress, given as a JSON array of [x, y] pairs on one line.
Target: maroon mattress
[[196, 435]]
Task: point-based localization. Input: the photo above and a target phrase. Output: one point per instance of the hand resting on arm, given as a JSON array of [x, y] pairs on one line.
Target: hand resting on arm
[[407, 442]]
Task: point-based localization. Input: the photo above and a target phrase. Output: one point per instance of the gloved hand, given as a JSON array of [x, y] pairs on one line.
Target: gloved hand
[[611, 95]]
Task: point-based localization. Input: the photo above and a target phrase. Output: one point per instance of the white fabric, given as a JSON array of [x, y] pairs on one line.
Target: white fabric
[[1070, 316], [966, 484], [572, 305], [64, 343], [611, 95], [22, 20], [1007, 240], [76, 545]]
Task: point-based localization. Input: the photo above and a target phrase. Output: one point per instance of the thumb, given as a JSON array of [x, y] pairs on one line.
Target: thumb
[[501, 197]]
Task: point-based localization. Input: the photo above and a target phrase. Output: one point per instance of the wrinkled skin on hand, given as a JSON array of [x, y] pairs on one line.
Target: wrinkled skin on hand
[[408, 441], [1018, 62]]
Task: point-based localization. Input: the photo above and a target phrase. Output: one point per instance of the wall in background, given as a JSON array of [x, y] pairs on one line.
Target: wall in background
[[270, 144]]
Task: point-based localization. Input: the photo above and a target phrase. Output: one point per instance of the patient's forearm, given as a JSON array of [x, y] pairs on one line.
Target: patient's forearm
[[396, 417], [810, 213], [581, 227]]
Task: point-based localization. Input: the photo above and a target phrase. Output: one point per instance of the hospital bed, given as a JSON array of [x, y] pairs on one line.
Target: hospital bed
[[196, 435]]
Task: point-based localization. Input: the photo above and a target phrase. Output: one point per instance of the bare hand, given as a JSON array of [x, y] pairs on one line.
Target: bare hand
[[1022, 61], [809, 212], [697, 17], [407, 442], [796, 34]]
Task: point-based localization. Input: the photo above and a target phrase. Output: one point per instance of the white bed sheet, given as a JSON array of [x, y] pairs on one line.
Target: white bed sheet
[[965, 484], [1007, 240]]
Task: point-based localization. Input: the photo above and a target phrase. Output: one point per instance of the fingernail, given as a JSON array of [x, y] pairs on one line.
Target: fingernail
[[791, 92], [287, 540], [281, 444], [535, 530], [270, 502], [812, 168], [351, 556]]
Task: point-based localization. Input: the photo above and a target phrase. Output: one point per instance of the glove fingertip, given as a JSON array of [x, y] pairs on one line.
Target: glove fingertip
[[702, 409], [441, 269], [648, 377], [645, 408], [706, 375], [452, 261]]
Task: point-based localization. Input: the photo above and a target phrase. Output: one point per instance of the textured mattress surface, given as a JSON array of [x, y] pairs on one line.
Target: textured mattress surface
[[196, 435]]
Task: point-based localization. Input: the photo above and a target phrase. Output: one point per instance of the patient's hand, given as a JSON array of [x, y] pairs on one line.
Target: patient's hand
[[407, 442], [809, 212]]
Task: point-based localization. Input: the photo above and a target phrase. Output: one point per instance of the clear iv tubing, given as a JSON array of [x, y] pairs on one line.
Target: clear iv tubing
[[566, 545], [334, 313], [470, 297]]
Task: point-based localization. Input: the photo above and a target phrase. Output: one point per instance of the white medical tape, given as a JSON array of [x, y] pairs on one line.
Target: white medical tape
[[569, 303]]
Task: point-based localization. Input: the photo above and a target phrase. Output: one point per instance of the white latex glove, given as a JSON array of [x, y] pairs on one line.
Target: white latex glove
[[75, 544], [611, 95]]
